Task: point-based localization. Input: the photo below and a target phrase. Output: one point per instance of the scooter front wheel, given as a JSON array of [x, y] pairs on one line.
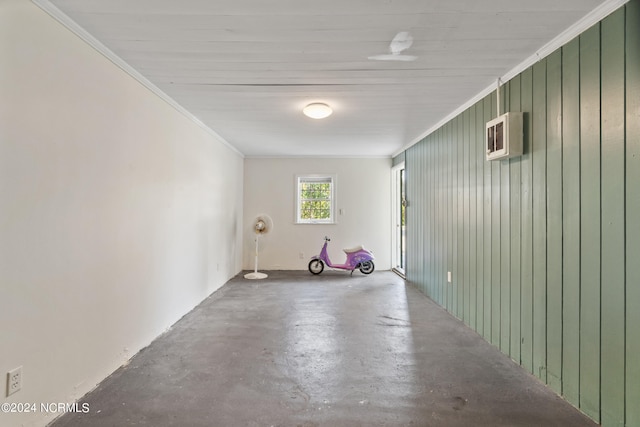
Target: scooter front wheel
[[367, 267], [316, 266]]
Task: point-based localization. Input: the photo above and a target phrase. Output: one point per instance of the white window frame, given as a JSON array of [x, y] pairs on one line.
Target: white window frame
[[332, 178]]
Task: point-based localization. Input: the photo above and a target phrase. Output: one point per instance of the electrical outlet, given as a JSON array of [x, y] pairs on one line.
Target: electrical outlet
[[14, 380], [301, 255]]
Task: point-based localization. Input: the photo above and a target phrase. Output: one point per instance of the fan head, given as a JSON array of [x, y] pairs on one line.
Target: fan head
[[401, 42], [262, 224]]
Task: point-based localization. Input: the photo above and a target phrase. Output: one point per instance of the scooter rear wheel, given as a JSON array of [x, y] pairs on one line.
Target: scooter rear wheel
[[316, 266], [367, 267]]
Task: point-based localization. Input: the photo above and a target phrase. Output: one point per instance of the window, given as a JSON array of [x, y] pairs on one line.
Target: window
[[315, 199]]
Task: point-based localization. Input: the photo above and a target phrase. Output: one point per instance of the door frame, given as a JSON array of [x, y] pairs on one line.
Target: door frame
[[398, 235]]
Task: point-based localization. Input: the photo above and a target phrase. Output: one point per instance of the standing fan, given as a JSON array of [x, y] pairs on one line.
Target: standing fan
[[261, 225]]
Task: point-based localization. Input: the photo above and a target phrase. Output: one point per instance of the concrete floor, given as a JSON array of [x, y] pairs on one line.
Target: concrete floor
[[329, 350]]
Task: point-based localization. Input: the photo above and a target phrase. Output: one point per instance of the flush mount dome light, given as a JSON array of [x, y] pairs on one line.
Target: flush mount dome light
[[317, 110]]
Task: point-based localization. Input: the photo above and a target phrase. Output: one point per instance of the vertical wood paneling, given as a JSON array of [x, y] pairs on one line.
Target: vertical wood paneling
[[545, 248], [445, 232], [632, 393], [460, 212], [438, 218], [437, 172], [613, 234], [473, 277], [422, 215], [538, 152], [413, 230], [515, 205], [460, 190], [424, 201], [428, 191], [453, 200], [505, 244], [590, 222], [435, 220], [495, 243], [505, 257], [413, 221], [413, 183], [408, 240], [488, 288], [450, 212], [417, 204], [424, 206], [437, 255], [554, 221], [442, 212], [444, 183], [571, 222], [480, 266], [436, 212], [452, 132], [451, 220], [526, 298], [466, 296], [410, 167]]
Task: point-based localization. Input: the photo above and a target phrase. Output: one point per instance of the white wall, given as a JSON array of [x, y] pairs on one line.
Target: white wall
[[117, 213], [364, 195]]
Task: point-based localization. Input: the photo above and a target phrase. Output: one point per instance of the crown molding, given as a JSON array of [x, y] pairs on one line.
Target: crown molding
[[586, 22], [70, 24]]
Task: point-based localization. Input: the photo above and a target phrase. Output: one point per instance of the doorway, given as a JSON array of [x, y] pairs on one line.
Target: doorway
[[399, 215]]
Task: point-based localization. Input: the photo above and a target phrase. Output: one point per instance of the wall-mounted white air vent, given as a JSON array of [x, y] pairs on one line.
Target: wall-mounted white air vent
[[504, 136]]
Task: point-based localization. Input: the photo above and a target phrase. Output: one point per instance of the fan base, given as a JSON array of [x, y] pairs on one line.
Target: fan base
[[255, 275]]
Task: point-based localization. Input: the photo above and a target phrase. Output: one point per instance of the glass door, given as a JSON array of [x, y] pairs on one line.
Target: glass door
[[399, 219]]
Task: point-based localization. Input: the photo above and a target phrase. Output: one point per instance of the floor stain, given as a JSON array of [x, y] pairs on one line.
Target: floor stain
[[459, 403]]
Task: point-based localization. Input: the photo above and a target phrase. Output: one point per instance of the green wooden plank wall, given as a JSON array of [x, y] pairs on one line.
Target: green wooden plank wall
[[632, 200], [544, 249], [590, 222]]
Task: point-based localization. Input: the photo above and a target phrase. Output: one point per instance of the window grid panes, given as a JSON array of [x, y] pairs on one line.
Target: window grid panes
[[315, 199]]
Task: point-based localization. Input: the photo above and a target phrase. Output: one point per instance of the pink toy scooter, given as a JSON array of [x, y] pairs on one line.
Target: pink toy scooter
[[357, 258]]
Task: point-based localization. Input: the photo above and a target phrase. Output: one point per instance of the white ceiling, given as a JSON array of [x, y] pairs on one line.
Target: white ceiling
[[245, 68]]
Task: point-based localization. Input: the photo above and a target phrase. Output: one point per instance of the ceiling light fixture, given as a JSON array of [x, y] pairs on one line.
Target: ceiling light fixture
[[317, 110]]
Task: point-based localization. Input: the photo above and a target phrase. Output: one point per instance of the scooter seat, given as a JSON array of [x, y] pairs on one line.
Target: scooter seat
[[352, 250]]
